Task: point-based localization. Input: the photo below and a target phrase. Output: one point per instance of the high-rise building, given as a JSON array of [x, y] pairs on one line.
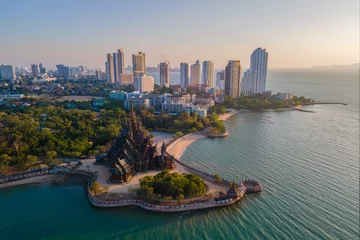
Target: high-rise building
[[138, 60], [41, 68], [82, 68], [195, 73], [34, 70], [109, 66], [232, 78], [220, 78], [120, 61], [116, 71], [165, 74], [139, 68], [63, 71], [184, 74], [7, 72], [246, 84], [208, 73], [97, 74], [258, 70]]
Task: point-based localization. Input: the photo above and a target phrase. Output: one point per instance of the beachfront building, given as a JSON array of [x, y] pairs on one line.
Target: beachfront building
[[133, 152], [283, 96], [208, 73], [232, 78], [258, 70], [189, 108], [246, 84]]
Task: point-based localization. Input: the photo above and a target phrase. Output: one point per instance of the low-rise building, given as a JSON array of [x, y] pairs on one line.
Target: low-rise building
[[139, 101], [11, 96], [118, 95], [283, 96], [98, 102]]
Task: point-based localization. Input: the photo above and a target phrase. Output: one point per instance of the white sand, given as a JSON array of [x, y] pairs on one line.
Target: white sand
[[225, 116], [37, 179]]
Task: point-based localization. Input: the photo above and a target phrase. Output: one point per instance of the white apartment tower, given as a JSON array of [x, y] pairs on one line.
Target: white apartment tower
[[165, 74], [184, 74], [246, 84], [258, 70], [232, 78], [208, 73], [195, 73]]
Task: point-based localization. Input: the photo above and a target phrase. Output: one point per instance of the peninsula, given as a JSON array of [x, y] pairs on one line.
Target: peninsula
[[122, 176]]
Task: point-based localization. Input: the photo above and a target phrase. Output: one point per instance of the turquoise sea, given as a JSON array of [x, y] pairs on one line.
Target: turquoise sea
[[308, 164]]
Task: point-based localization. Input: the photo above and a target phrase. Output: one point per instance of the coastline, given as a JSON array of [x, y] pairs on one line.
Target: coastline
[[176, 148], [44, 179]]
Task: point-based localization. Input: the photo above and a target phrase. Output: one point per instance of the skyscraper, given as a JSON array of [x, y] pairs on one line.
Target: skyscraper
[[138, 60], [165, 74], [109, 68], [184, 74], [7, 72], [116, 74], [195, 73], [97, 74], [120, 61], [208, 73], [139, 69], [220, 78], [41, 68], [34, 70], [258, 70], [246, 84], [232, 78]]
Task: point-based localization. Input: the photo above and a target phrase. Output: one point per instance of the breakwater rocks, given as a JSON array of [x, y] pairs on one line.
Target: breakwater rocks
[[25, 175], [161, 208]]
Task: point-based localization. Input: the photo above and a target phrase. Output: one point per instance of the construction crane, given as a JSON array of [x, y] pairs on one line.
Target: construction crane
[[164, 58]]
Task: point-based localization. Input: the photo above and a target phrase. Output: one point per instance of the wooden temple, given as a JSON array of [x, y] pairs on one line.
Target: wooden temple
[[133, 151]]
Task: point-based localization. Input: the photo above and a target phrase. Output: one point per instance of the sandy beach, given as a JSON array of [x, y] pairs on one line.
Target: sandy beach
[[225, 116], [38, 179]]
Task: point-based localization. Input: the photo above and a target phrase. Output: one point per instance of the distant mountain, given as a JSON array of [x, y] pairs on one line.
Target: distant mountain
[[352, 66]]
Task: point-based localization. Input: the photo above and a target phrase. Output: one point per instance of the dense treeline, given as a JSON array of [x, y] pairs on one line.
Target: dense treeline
[[169, 186], [50, 131], [260, 102], [46, 130], [182, 122]]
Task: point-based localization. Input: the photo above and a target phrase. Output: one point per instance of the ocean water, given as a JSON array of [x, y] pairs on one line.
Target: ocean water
[[308, 164]]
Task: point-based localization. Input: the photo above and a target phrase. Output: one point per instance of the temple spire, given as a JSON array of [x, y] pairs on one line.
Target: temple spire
[[132, 119]]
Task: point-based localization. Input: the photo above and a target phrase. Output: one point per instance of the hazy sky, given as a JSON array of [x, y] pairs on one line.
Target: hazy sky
[[73, 32]]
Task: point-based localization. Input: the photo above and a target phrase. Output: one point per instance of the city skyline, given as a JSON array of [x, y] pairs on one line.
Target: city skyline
[[327, 35]]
